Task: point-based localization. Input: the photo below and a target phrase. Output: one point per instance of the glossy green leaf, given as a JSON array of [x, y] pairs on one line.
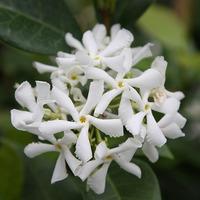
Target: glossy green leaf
[[122, 185], [38, 181], [165, 152], [11, 172], [162, 24], [128, 11], [36, 25]]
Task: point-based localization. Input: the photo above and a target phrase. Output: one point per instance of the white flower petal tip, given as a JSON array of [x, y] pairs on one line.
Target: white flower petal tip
[[173, 131], [35, 149], [154, 133], [43, 68], [129, 167], [123, 39], [72, 42], [97, 181], [60, 171], [134, 124], [151, 152], [83, 148], [111, 127], [25, 96]]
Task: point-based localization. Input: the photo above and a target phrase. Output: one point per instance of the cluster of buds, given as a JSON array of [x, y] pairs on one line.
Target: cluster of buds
[[97, 94]]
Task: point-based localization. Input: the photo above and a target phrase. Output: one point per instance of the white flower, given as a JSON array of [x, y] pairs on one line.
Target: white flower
[[160, 94], [95, 171], [95, 49], [149, 79], [120, 95], [82, 120], [71, 74], [63, 147], [33, 101]]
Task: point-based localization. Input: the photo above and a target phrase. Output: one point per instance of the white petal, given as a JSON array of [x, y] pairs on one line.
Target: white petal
[[178, 95], [42, 90], [140, 53], [111, 127], [160, 65], [73, 42], [123, 39], [115, 63], [99, 74], [89, 42], [56, 126], [133, 95], [83, 58], [105, 101], [56, 82], [23, 120], [154, 133], [127, 166], [169, 106], [64, 55], [97, 180], [71, 160], [101, 150], [20, 118], [99, 32], [120, 63], [43, 68], [35, 149], [114, 30], [125, 110], [77, 95], [175, 117], [64, 101], [134, 124], [172, 131], [83, 148], [65, 62], [95, 93], [130, 143], [25, 96], [149, 79], [150, 151], [68, 138], [88, 168], [60, 171]]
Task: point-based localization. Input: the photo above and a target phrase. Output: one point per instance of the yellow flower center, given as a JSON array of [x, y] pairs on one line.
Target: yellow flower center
[[74, 76], [97, 58], [147, 107], [58, 147], [108, 158], [121, 84], [82, 119]]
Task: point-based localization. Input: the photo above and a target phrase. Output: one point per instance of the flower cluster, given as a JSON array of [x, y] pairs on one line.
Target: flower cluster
[[96, 95]]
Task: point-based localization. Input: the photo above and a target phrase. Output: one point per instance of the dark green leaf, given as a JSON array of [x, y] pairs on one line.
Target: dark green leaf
[[36, 25], [128, 11], [38, 181], [165, 152], [11, 172], [124, 186]]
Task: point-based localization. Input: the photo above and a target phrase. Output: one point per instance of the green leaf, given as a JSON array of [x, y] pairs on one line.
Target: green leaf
[[122, 185], [11, 172], [162, 24], [165, 152], [128, 11], [36, 25], [38, 181]]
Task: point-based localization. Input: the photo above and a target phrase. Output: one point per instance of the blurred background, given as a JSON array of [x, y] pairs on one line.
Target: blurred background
[[174, 26]]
